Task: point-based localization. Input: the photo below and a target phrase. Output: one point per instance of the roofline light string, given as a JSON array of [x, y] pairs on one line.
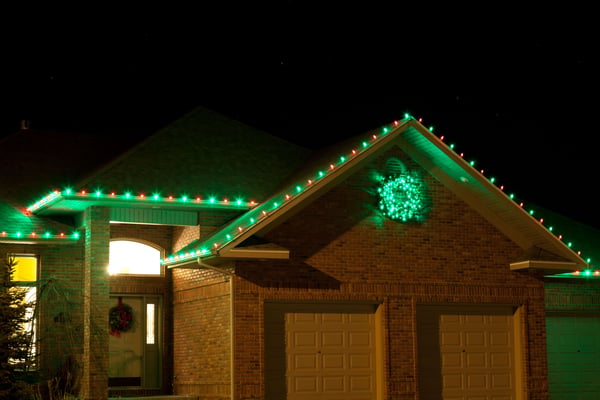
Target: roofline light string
[[47, 235], [154, 198]]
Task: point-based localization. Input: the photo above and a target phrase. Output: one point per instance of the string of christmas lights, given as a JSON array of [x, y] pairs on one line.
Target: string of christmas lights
[[155, 198], [19, 235], [229, 235], [256, 212]]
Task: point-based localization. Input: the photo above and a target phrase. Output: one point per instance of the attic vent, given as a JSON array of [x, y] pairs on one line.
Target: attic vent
[[394, 166]]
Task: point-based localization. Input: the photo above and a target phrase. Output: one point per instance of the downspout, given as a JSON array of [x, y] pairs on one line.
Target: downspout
[[230, 276]]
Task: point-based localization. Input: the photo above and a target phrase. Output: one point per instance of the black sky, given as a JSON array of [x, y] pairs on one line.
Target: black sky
[[516, 89]]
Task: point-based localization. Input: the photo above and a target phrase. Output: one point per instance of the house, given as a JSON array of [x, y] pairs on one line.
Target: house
[[216, 260]]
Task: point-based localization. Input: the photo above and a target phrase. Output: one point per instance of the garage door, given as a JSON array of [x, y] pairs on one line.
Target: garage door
[[466, 353], [329, 352], [573, 357]]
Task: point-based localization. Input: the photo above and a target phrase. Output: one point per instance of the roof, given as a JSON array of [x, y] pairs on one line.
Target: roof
[[202, 154], [437, 158], [205, 160], [35, 162], [201, 160]]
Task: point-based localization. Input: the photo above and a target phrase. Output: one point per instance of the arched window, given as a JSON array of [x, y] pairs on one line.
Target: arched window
[[133, 258]]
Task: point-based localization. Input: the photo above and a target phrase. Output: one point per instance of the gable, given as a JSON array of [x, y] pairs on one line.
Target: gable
[[266, 166], [433, 156], [345, 230]]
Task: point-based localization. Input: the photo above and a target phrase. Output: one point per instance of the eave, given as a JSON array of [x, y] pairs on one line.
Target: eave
[[71, 202], [548, 268]]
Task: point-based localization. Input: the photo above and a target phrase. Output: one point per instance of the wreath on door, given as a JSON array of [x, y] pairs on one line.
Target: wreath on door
[[120, 318]]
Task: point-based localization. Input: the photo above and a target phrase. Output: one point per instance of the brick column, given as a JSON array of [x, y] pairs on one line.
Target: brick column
[[94, 383]]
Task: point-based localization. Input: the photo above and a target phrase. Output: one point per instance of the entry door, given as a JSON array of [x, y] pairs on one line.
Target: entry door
[[134, 355], [466, 352]]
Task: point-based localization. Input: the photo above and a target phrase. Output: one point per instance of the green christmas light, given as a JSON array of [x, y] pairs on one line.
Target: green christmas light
[[402, 197], [69, 194], [19, 235]]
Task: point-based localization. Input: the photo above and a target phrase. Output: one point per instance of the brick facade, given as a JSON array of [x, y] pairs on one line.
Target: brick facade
[[94, 380], [572, 296], [201, 333], [342, 251]]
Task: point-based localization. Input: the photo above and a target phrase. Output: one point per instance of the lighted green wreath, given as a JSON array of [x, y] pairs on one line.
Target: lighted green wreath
[[120, 318], [402, 197]]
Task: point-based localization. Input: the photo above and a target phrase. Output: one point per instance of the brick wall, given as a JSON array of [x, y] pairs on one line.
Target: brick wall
[[201, 333], [573, 296], [341, 250], [157, 235]]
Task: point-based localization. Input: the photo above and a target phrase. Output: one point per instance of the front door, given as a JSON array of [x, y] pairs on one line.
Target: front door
[[134, 342]]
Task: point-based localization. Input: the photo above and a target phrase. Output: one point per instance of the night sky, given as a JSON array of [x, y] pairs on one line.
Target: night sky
[[514, 89]]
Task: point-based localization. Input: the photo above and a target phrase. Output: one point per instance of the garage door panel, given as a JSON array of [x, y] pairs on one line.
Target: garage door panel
[[452, 360], [332, 339], [476, 360], [499, 338], [305, 384], [333, 361], [334, 353], [501, 381], [331, 318], [451, 338], [334, 383], [468, 350], [472, 319], [363, 384], [301, 318], [500, 360], [360, 339], [453, 381], [477, 381], [475, 338], [358, 361], [304, 361]]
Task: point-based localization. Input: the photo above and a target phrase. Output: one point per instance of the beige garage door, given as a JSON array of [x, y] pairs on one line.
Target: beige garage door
[[466, 353], [330, 353]]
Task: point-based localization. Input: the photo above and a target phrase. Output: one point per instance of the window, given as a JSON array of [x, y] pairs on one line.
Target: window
[[128, 257], [24, 276]]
